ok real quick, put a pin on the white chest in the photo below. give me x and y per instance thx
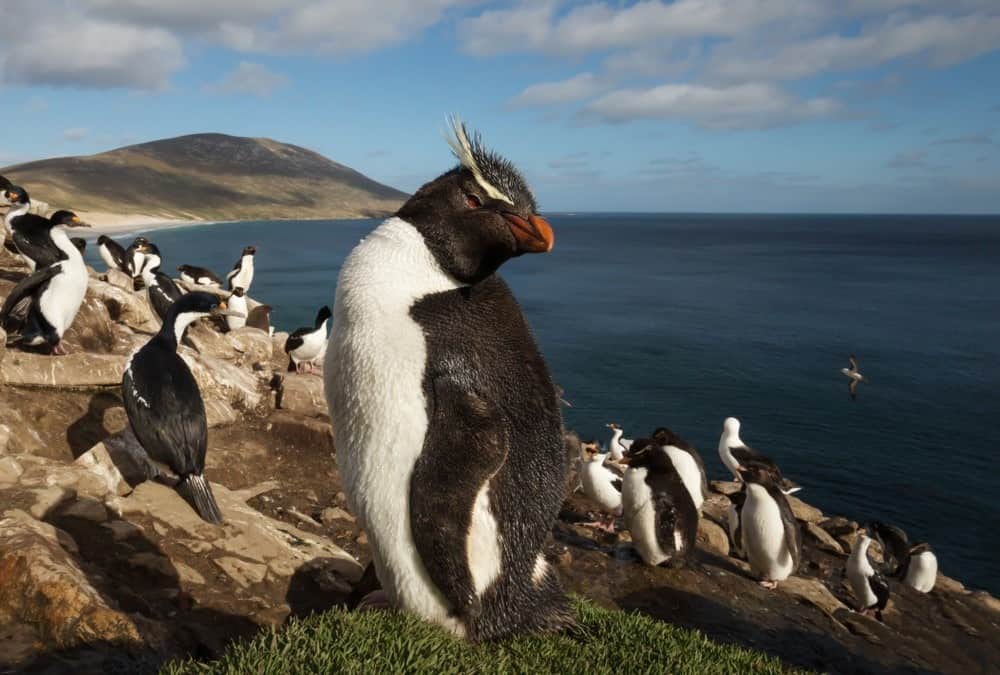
(598, 484)
(312, 347)
(243, 276)
(764, 536)
(239, 304)
(922, 572)
(640, 516)
(61, 301)
(374, 387)
(859, 569)
(106, 257)
(689, 472)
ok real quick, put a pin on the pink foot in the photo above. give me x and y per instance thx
(374, 601)
(60, 349)
(768, 584)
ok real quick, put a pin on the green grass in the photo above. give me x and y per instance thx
(604, 642)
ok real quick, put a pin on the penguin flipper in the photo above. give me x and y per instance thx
(463, 448)
(793, 534)
(880, 587)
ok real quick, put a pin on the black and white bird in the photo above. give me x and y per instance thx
(735, 511)
(31, 234)
(854, 375)
(449, 430)
(306, 346)
(165, 408)
(112, 253)
(42, 306)
(80, 243)
(18, 203)
(199, 276)
(241, 276)
(602, 486)
(770, 535)
(914, 564)
(238, 303)
(659, 511)
(617, 446)
(688, 463)
(871, 590)
(737, 455)
(134, 257)
(160, 288)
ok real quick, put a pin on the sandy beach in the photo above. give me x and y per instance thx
(114, 224)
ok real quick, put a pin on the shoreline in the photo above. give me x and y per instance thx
(113, 224)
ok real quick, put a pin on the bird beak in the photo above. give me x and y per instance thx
(76, 221)
(533, 235)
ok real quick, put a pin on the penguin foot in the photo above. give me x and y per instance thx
(768, 584)
(59, 349)
(376, 600)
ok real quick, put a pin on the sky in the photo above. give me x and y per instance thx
(690, 105)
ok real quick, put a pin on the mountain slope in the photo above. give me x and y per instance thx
(207, 176)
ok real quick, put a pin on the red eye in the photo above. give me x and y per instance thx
(473, 201)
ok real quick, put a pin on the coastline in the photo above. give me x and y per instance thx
(113, 224)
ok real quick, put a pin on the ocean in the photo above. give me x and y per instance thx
(683, 320)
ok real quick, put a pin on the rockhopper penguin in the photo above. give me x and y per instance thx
(160, 288)
(688, 463)
(659, 511)
(198, 275)
(770, 534)
(112, 253)
(448, 428)
(165, 408)
(241, 276)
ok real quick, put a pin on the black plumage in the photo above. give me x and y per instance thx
(80, 243)
(665, 436)
(895, 547)
(134, 256)
(298, 337)
(114, 251)
(165, 408)
(21, 316)
(675, 511)
(198, 275)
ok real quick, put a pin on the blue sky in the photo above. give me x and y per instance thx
(691, 105)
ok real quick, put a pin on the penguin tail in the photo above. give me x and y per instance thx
(196, 490)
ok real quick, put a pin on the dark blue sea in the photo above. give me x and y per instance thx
(683, 320)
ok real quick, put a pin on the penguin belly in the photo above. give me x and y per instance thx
(689, 472)
(238, 304)
(107, 257)
(597, 484)
(858, 571)
(374, 375)
(60, 302)
(312, 347)
(640, 516)
(921, 574)
(244, 277)
(764, 536)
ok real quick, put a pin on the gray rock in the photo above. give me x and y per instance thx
(333, 514)
(10, 470)
(87, 509)
(303, 394)
(73, 371)
(712, 537)
(243, 572)
(823, 538)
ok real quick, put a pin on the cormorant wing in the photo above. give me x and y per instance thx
(166, 410)
(32, 239)
(27, 288)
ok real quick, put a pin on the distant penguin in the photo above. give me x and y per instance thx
(602, 486)
(895, 546)
(871, 590)
(80, 243)
(772, 540)
(659, 511)
(198, 275)
(854, 376)
(617, 446)
(238, 304)
(305, 346)
(735, 511)
(241, 275)
(260, 318)
(436, 388)
(160, 288)
(921, 568)
(164, 404)
(134, 257)
(112, 253)
(736, 455)
(41, 307)
(688, 463)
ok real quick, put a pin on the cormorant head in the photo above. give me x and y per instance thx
(238, 292)
(612, 425)
(478, 215)
(15, 194)
(193, 306)
(67, 219)
(249, 250)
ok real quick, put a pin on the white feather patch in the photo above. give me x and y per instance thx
(483, 543)
(462, 147)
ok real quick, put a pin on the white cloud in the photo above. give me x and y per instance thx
(249, 78)
(743, 106)
(75, 134)
(575, 88)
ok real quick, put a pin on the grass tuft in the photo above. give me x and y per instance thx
(355, 642)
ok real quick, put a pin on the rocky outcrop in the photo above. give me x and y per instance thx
(73, 371)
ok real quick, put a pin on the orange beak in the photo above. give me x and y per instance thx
(533, 235)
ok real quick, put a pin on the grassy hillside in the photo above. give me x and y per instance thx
(604, 642)
(208, 176)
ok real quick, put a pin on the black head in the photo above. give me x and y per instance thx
(238, 292)
(322, 315)
(105, 239)
(760, 475)
(647, 453)
(149, 248)
(249, 250)
(80, 243)
(665, 436)
(478, 215)
(16, 194)
(139, 241)
(4, 183)
(67, 219)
